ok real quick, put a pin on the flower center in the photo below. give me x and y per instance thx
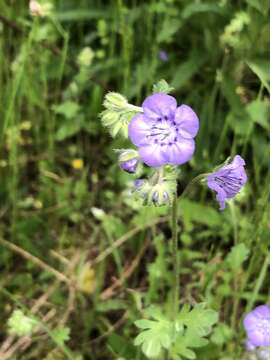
(163, 132)
(229, 184)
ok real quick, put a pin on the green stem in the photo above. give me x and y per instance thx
(176, 283)
(134, 108)
(175, 258)
(192, 182)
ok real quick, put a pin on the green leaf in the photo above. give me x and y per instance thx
(240, 122)
(61, 335)
(222, 334)
(261, 68)
(68, 128)
(168, 29)
(228, 87)
(121, 347)
(259, 112)
(69, 109)
(238, 254)
(156, 335)
(195, 8)
(162, 87)
(198, 319)
(261, 5)
(194, 325)
(188, 68)
(195, 212)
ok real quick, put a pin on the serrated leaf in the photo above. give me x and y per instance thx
(144, 323)
(238, 254)
(162, 87)
(156, 335)
(61, 335)
(180, 350)
(197, 323)
(199, 319)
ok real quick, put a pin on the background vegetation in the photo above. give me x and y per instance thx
(78, 256)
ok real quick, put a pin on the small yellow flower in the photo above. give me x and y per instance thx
(77, 164)
(87, 279)
(26, 125)
(38, 204)
(3, 163)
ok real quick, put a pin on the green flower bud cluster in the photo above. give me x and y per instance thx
(20, 324)
(158, 190)
(118, 114)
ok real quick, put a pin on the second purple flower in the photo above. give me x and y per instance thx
(228, 180)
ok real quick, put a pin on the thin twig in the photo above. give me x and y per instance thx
(109, 292)
(126, 237)
(35, 308)
(61, 277)
(7, 349)
(112, 329)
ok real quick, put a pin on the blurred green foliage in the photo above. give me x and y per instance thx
(64, 201)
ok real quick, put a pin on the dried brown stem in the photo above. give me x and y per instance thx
(109, 292)
(61, 277)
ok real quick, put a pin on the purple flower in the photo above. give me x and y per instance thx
(228, 180)
(163, 55)
(164, 132)
(257, 326)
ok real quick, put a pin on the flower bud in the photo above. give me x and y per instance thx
(118, 113)
(115, 101)
(40, 10)
(116, 122)
(85, 57)
(141, 190)
(138, 183)
(263, 354)
(35, 8)
(161, 194)
(129, 160)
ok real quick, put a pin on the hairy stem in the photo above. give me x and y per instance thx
(175, 258)
(196, 180)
